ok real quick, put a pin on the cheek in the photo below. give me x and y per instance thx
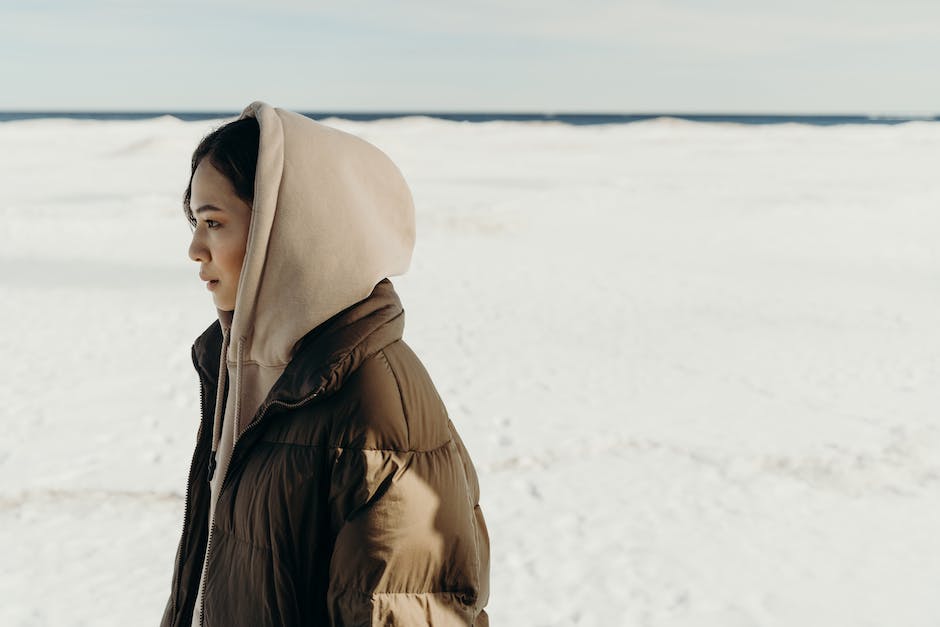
(232, 256)
(231, 261)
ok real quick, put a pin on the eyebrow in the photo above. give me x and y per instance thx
(207, 208)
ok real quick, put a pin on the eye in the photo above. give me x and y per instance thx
(212, 224)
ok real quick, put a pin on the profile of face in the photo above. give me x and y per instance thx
(221, 233)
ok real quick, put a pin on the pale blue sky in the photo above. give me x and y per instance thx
(736, 56)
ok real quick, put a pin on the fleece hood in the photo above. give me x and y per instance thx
(332, 216)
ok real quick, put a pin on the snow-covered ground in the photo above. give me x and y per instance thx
(696, 365)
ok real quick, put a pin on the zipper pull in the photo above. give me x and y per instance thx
(211, 466)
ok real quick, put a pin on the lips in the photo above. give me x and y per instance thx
(211, 283)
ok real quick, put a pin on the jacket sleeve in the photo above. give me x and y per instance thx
(408, 548)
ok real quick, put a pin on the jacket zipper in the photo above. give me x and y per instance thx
(251, 425)
(192, 464)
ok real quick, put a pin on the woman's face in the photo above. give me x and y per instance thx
(221, 235)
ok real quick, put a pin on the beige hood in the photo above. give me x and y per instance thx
(332, 216)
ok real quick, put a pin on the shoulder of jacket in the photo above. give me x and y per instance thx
(393, 404)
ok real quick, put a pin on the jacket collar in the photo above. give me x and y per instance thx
(326, 355)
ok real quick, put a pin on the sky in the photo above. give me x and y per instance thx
(547, 56)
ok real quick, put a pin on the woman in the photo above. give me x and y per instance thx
(328, 486)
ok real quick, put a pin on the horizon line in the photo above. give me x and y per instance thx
(546, 113)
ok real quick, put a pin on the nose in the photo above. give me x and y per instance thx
(197, 248)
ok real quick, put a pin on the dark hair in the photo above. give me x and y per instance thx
(233, 150)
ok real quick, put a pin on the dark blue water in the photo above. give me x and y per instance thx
(578, 119)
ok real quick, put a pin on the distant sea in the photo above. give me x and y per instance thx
(578, 119)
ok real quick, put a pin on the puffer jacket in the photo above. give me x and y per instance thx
(349, 499)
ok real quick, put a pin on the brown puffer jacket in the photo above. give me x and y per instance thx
(349, 499)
